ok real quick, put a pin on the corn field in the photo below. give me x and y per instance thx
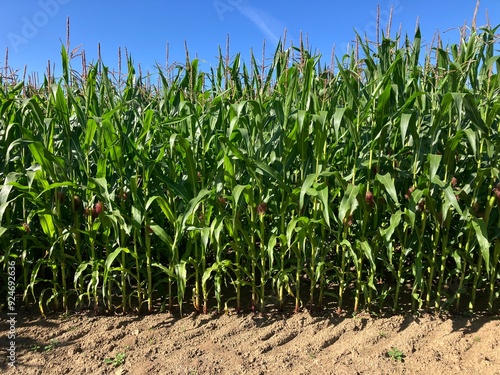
(369, 184)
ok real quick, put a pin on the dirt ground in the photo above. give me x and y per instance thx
(254, 344)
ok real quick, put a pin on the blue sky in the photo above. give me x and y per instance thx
(34, 30)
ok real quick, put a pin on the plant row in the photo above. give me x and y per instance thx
(256, 186)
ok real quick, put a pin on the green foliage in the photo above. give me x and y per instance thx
(396, 354)
(377, 179)
(50, 346)
(116, 361)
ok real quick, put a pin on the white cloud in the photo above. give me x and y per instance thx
(266, 24)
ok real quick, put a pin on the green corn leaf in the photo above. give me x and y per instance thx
(79, 272)
(434, 161)
(471, 136)
(193, 205)
(368, 252)
(452, 199)
(160, 232)
(395, 221)
(472, 112)
(338, 118)
(271, 249)
(57, 185)
(110, 260)
(137, 216)
(168, 271)
(405, 123)
(229, 176)
(269, 172)
(323, 197)
(290, 229)
(205, 236)
(305, 188)
(216, 228)
(103, 188)
(164, 206)
(382, 107)
(46, 159)
(349, 201)
(181, 278)
(90, 131)
(189, 161)
(216, 267)
(237, 191)
(389, 186)
(65, 64)
(481, 231)
(47, 224)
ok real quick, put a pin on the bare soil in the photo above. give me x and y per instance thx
(252, 343)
